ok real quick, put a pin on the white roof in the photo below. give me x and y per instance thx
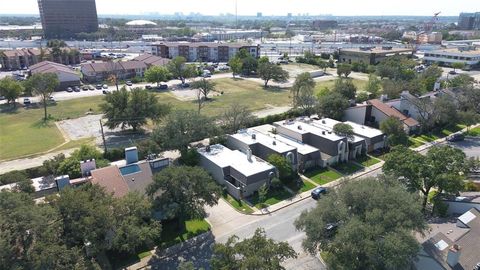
(224, 157)
(140, 22)
(441, 245)
(467, 217)
(245, 136)
(302, 148)
(305, 128)
(43, 183)
(363, 130)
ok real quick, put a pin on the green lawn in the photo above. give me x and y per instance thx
(171, 235)
(323, 175)
(273, 197)
(414, 143)
(473, 132)
(300, 186)
(360, 84)
(347, 168)
(239, 205)
(437, 134)
(367, 161)
(23, 131)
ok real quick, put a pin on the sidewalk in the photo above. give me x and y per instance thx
(305, 195)
(428, 145)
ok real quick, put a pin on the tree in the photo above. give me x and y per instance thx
(157, 74)
(204, 87)
(364, 224)
(268, 71)
(134, 223)
(71, 165)
(443, 168)
(393, 128)
(52, 165)
(10, 89)
(373, 85)
(344, 69)
(461, 81)
(429, 77)
(332, 105)
(257, 252)
(112, 69)
(181, 128)
(123, 108)
(180, 70)
(236, 117)
(458, 65)
(283, 166)
(43, 85)
(182, 192)
(396, 67)
(345, 87)
(235, 65)
(362, 97)
(322, 65)
(344, 130)
(302, 91)
(13, 177)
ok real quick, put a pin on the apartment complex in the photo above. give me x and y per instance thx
(97, 72)
(66, 76)
(469, 21)
(203, 51)
(470, 56)
(66, 18)
(370, 55)
(24, 58)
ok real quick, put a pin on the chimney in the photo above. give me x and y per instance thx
(62, 181)
(453, 255)
(274, 143)
(86, 166)
(249, 154)
(131, 155)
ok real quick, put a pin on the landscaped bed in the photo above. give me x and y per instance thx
(300, 186)
(473, 132)
(238, 204)
(171, 235)
(323, 175)
(272, 198)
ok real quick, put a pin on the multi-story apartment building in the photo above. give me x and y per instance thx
(203, 51)
(24, 58)
(469, 21)
(66, 18)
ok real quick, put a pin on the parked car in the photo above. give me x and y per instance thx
(185, 85)
(77, 89)
(91, 88)
(452, 72)
(98, 86)
(129, 83)
(162, 87)
(51, 99)
(69, 89)
(105, 92)
(26, 101)
(85, 88)
(105, 86)
(456, 137)
(2, 97)
(317, 192)
(148, 87)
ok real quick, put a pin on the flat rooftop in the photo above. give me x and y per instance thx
(377, 50)
(304, 128)
(224, 157)
(246, 137)
(328, 124)
(455, 51)
(302, 148)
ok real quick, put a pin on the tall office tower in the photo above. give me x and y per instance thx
(66, 18)
(469, 21)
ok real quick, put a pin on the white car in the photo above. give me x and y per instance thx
(105, 86)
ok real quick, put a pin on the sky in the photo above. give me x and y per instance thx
(267, 7)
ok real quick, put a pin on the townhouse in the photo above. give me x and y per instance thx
(24, 58)
(97, 72)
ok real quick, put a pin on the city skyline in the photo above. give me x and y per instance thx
(266, 7)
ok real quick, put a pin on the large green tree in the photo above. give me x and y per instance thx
(10, 89)
(179, 68)
(236, 117)
(344, 69)
(344, 130)
(345, 87)
(257, 252)
(393, 128)
(364, 224)
(283, 166)
(157, 74)
(269, 71)
(302, 91)
(442, 168)
(132, 108)
(235, 65)
(43, 85)
(182, 192)
(332, 105)
(373, 85)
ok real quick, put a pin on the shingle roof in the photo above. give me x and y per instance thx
(50, 67)
(391, 111)
(152, 60)
(111, 179)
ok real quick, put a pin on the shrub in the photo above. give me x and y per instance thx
(189, 157)
(276, 184)
(114, 154)
(222, 139)
(13, 177)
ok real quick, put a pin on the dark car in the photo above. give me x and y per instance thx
(162, 87)
(98, 86)
(316, 192)
(185, 85)
(452, 72)
(148, 87)
(76, 89)
(85, 88)
(129, 83)
(91, 88)
(105, 92)
(456, 137)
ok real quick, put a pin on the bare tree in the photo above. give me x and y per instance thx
(237, 116)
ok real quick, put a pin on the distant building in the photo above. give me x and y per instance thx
(152, 60)
(66, 18)
(470, 56)
(66, 76)
(324, 24)
(97, 72)
(469, 21)
(370, 55)
(231, 35)
(259, 14)
(203, 51)
(24, 58)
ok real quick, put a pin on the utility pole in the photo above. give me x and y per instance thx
(103, 137)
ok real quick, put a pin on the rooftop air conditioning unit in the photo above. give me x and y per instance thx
(254, 136)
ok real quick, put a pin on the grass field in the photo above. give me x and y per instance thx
(273, 197)
(23, 132)
(323, 175)
(368, 161)
(239, 205)
(347, 168)
(171, 235)
(300, 186)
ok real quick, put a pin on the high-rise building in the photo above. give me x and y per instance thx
(469, 21)
(66, 18)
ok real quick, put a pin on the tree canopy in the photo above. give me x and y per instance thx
(43, 85)
(345, 87)
(10, 89)
(364, 224)
(344, 130)
(302, 91)
(332, 105)
(157, 74)
(269, 71)
(236, 117)
(393, 128)
(236, 65)
(180, 70)
(344, 69)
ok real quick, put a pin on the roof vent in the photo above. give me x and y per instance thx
(323, 121)
(274, 143)
(254, 136)
(323, 132)
(133, 179)
(299, 127)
